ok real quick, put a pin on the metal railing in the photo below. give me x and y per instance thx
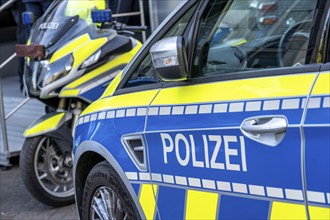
(6, 5)
(4, 118)
(138, 13)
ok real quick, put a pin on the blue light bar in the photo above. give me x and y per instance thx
(101, 16)
(28, 18)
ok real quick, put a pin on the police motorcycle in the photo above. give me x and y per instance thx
(73, 52)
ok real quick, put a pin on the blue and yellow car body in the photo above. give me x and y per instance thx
(196, 161)
(221, 170)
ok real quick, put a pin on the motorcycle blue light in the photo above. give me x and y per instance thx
(28, 18)
(101, 16)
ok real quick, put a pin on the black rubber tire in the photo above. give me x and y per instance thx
(103, 174)
(29, 178)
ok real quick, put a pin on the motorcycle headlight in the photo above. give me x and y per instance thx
(91, 60)
(56, 70)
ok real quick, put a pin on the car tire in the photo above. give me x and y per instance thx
(104, 182)
(42, 182)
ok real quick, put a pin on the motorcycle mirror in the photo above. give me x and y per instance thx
(101, 16)
(32, 51)
(28, 18)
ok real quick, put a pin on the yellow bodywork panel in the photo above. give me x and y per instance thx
(86, 50)
(322, 85)
(319, 213)
(281, 210)
(148, 201)
(112, 86)
(255, 88)
(121, 101)
(70, 47)
(69, 93)
(72, 89)
(201, 205)
(287, 211)
(81, 48)
(45, 125)
(120, 60)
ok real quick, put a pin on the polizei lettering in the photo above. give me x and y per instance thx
(49, 25)
(223, 152)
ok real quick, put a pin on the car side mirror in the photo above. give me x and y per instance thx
(28, 18)
(170, 59)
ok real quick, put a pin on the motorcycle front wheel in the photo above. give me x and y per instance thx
(46, 172)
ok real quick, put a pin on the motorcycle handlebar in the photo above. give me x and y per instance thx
(123, 27)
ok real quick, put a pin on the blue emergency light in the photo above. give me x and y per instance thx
(101, 16)
(28, 18)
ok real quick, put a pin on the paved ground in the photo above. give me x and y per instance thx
(17, 203)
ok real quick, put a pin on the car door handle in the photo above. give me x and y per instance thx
(265, 125)
(268, 130)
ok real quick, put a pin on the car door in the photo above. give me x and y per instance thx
(317, 147)
(227, 142)
(317, 141)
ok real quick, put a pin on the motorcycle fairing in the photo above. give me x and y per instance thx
(90, 83)
(47, 123)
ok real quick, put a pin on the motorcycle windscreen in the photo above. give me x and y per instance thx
(63, 20)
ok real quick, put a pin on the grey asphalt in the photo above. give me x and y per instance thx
(16, 202)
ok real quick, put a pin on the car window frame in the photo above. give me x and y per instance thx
(326, 34)
(160, 32)
(321, 18)
(268, 72)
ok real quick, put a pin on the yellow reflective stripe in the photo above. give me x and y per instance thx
(73, 45)
(108, 66)
(69, 93)
(201, 205)
(287, 211)
(243, 41)
(113, 85)
(121, 101)
(120, 60)
(254, 88)
(319, 213)
(28, 43)
(45, 125)
(322, 85)
(147, 200)
(83, 52)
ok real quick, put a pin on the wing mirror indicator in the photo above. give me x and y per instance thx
(169, 59)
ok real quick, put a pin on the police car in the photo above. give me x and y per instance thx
(223, 114)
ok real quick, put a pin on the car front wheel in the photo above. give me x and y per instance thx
(105, 195)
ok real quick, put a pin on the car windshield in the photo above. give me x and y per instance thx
(60, 17)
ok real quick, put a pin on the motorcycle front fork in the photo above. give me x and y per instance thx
(75, 107)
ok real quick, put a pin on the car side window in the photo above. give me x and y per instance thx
(244, 35)
(145, 74)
